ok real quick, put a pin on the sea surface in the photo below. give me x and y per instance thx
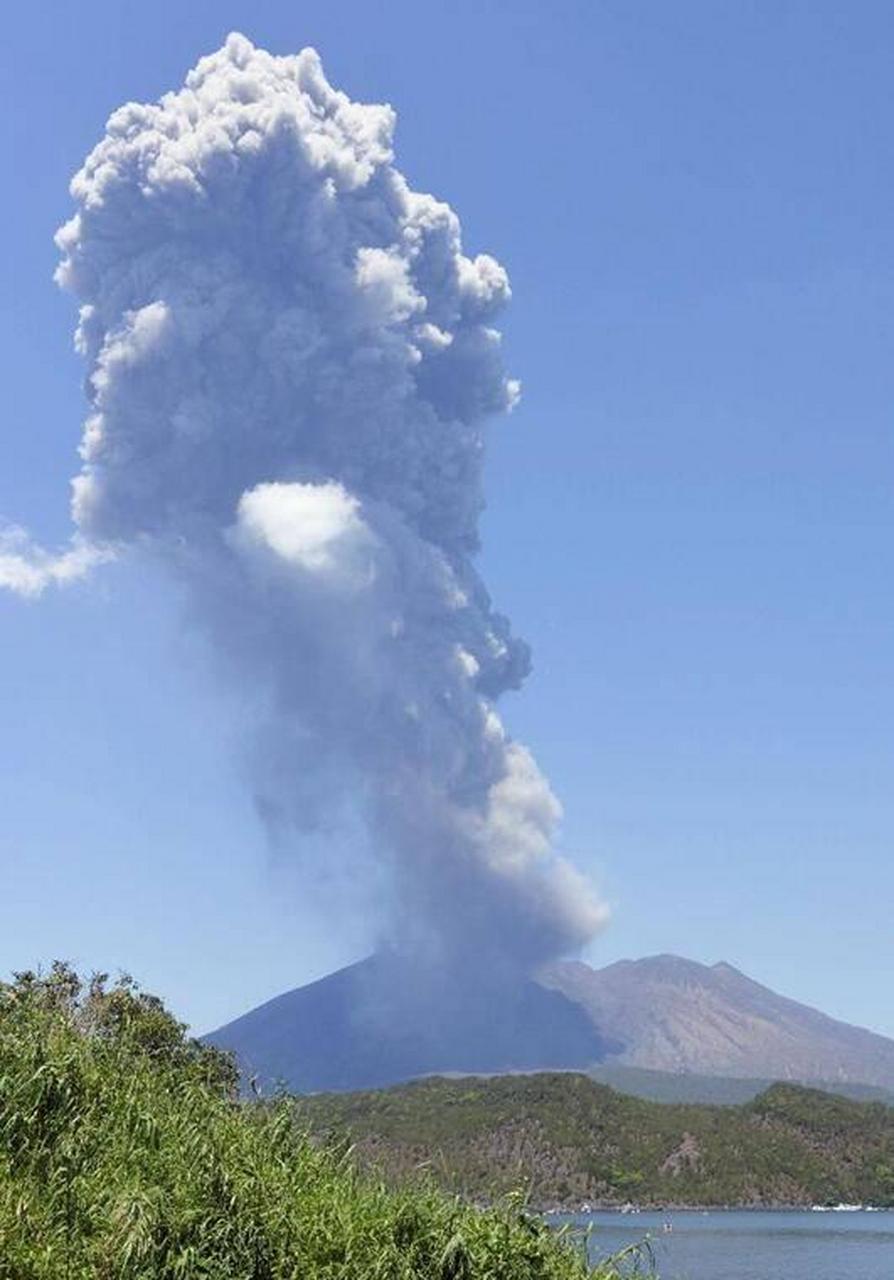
(750, 1245)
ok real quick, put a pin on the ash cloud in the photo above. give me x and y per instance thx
(291, 364)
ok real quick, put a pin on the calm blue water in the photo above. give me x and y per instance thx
(753, 1246)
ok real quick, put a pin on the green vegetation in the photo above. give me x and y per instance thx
(571, 1141)
(124, 1155)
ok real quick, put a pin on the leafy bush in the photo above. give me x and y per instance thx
(125, 1155)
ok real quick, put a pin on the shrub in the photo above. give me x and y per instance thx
(126, 1155)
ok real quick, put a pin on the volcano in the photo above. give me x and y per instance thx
(379, 1021)
(386, 1019)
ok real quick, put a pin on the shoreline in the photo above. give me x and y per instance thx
(625, 1210)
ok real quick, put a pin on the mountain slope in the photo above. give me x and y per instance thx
(719, 1091)
(378, 1022)
(675, 1015)
(569, 1140)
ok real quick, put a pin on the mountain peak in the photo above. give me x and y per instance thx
(382, 1021)
(373, 1024)
(673, 1014)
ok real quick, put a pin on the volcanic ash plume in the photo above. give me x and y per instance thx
(290, 362)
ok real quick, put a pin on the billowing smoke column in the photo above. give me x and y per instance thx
(290, 361)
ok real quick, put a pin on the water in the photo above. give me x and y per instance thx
(737, 1245)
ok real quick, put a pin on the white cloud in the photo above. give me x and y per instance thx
(314, 528)
(28, 570)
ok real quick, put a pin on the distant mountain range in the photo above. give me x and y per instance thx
(719, 1091)
(653, 1027)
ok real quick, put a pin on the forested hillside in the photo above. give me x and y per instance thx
(571, 1141)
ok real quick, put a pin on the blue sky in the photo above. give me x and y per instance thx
(689, 516)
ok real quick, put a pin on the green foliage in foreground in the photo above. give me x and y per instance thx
(570, 1141)
(124, 1155)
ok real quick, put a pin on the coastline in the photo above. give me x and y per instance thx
(669, 1206)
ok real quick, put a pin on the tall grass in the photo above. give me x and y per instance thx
(124, 1155)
